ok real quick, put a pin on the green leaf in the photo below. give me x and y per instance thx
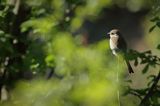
(151, 77)
(136, 62)
(141, 91)
(158, 24)
(154, 19)
(34, 66)
(143, 61)
(50, 60)
(158, 47)
(1, 32)
(152, 28)
(145, 69)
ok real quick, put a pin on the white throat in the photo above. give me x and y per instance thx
(113, 42)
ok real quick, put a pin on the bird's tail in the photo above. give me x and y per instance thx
(129, 67)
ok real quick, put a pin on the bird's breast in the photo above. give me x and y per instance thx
(113, 43)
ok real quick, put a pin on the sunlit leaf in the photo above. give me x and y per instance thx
(50, 61)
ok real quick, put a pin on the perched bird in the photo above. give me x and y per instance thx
(119, 45)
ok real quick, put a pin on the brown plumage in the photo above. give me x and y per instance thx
(118, 44)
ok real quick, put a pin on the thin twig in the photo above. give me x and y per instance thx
(134, 93)
(150, 92)
(118, 92)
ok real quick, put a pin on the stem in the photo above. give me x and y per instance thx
(118, 94)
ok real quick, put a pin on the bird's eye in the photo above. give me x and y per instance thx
(112, 33)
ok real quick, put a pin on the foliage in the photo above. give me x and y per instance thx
(148, 96)
(84, 81)
(43, 40)
(39, 38)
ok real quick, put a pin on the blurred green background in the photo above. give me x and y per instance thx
(56, 52)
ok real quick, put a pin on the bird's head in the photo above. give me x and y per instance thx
(114, 33)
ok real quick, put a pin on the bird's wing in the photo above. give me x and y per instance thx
(122, 45)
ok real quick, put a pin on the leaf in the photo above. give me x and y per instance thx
(145, 69)
(152, 28)
(158, 24)
(131, 55)
(158, 47)
(136, 62)
(141, 55)
(143, 61)
(50, 60)
(1, 32)
(141, 91)
(151, 77)
(154, 19)
(148, 52)
(34, 66)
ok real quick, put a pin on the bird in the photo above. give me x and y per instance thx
(119, 45)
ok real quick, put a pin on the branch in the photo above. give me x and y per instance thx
(150, 92)
(135, 94)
